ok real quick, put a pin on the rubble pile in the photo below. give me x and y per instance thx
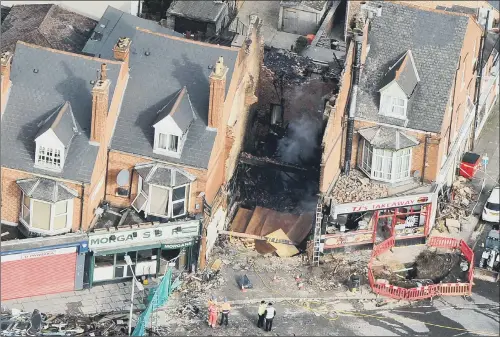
(462, 200)
(294, 68)
(357, 187)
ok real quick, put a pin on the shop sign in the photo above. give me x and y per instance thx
(177, 245)
(339, 240)
(38, 254)
(144, 235)
(373, 205)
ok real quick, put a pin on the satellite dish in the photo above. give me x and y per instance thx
(123, 178)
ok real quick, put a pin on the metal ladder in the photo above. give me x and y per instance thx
(317, 233)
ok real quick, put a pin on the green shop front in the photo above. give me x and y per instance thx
(152, 248)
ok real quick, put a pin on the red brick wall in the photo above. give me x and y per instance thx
(38, 276)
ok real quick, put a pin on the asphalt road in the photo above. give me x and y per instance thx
(446, 316)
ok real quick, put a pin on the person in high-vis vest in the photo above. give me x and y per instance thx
(270, 313)
(226, 307)
(261, 312)
(213, 313)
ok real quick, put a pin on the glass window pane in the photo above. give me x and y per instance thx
(178, 208)
(41, 215)
(179, 193)
(26, 202)
(104, 261)
(146, 255)
(173, 144)
(61, 207)
(162, 141)
(60, 221)
(159, 200)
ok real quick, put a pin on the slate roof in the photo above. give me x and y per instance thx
(388, 138)
(46, 189)
(435, 39)
(62, 122)
(47, 26)
(171, 64)
(164, 175)
(179, 109)
(205, 11)
(459, 9)
(115, 24)
(316, 5)
(34, 96)
(404, 73)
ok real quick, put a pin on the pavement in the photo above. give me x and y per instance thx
(268, 12)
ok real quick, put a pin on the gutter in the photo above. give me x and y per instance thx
(358, 39)
(81, 208)
(477, 92)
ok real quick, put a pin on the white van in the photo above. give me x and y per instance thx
(491, 211)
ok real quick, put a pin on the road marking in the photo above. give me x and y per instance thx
(460, 334)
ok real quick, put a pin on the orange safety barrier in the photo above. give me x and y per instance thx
(441, 242)
(446, 289)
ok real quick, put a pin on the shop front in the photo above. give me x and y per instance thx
(150, 248)
(42, 266)
(369, 222)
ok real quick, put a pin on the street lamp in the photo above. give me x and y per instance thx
(128, 260)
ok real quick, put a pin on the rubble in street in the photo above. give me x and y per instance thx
(357, 187)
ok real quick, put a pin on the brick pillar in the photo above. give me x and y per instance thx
(5, 85)
(217, 93)
(100, 107)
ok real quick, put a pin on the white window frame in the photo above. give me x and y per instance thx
(45, 164)
(165, 151)
(51, 230)
(146, 207)
(389, 102)
(368, 165)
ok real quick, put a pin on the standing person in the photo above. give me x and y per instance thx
(226, 307)
(261, 312)
(270, 313)
(213, 312)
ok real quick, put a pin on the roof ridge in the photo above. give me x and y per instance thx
(97, 59)
(429, 9)
(205, 44)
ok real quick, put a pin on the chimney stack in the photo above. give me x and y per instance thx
(5, 84)
(100, 107)
(121, 49)
(217, 93)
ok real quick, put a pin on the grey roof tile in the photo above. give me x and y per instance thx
(62, 122)
(46, 189)
(180, 110)
(206, 11)
(155, 80)
(435, 40)
(387, 138)
(405, 74)
(34, 96)
(46, 25)
(115, 24)
(163, 175)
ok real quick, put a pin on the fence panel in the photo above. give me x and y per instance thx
(442, 242)
(383, 247)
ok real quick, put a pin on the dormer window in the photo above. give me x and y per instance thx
(168, 142)
(398, 87)
(172, 125)
(54, 138)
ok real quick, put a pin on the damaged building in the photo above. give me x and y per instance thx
(395, 135)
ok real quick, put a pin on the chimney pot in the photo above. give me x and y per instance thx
(122, 48)
(104, 74)
(6, 58)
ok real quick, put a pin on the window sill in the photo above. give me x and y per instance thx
(43, 232)
(389, 182)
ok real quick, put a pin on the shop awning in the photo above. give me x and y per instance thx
(382, 137)
(118, 250)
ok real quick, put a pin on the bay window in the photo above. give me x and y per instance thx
(43, 216)
(162, 201)
(385, 165)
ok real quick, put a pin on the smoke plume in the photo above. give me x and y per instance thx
(300, 143)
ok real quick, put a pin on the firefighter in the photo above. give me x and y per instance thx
(261, 312)
(213, 312)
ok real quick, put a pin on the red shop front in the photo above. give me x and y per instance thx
(403, 218)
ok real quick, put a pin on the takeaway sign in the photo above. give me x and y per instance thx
(373, 205)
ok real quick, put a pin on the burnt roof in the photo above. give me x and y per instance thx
(47, 26)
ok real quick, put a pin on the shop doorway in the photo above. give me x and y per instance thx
(169, 258)
(406, 222)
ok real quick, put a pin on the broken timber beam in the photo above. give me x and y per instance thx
(270, 163)
(257, 237)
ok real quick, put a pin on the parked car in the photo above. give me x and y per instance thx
(491, 211)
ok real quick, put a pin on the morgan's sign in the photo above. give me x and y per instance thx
(373, 205)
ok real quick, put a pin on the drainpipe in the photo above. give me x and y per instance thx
(81, 208)
(358, 39)
(426, 143)
(477, 92)
(453, 107)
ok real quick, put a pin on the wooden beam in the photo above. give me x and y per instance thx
(257, 237)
